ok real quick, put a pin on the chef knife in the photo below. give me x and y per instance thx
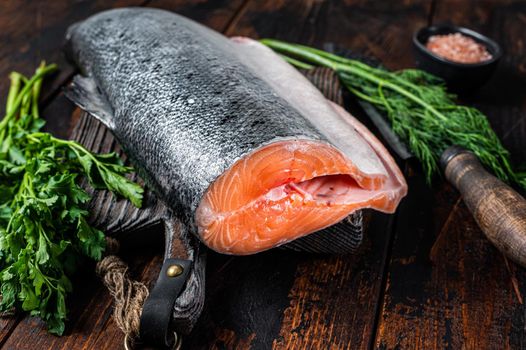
(498, 209)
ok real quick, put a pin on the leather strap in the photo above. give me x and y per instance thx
(158, 308)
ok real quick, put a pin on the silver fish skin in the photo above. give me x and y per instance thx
(181, 103)
(179, 99)
(191, 108)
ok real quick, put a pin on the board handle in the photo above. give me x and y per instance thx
(498, 209)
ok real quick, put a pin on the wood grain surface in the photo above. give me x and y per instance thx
(448, 287)
(425, 278)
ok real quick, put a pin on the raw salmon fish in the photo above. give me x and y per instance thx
(243, 148)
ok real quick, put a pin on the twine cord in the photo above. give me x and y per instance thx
(128, 295)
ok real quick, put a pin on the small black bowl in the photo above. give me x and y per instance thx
(459, 77)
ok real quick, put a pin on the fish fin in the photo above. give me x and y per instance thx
(84, 92)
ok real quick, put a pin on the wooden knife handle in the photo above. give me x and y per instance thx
(498, 209)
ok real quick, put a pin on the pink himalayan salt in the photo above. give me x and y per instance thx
(458, 48)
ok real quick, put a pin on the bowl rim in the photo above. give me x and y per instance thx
(480, 38)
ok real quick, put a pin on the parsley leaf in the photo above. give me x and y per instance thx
(44, 232)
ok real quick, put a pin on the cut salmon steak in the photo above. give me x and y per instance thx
(291, 188)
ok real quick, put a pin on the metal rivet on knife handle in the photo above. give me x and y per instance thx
(174, 270)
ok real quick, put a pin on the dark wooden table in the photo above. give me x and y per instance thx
(426, 278)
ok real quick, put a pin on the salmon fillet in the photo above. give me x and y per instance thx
(243, 149)
(291, 188)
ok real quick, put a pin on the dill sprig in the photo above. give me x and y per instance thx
(419, 108)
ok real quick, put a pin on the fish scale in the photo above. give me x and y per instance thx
(241, 146)
(150, 83)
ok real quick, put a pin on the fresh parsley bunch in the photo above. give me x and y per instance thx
(44, 233)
